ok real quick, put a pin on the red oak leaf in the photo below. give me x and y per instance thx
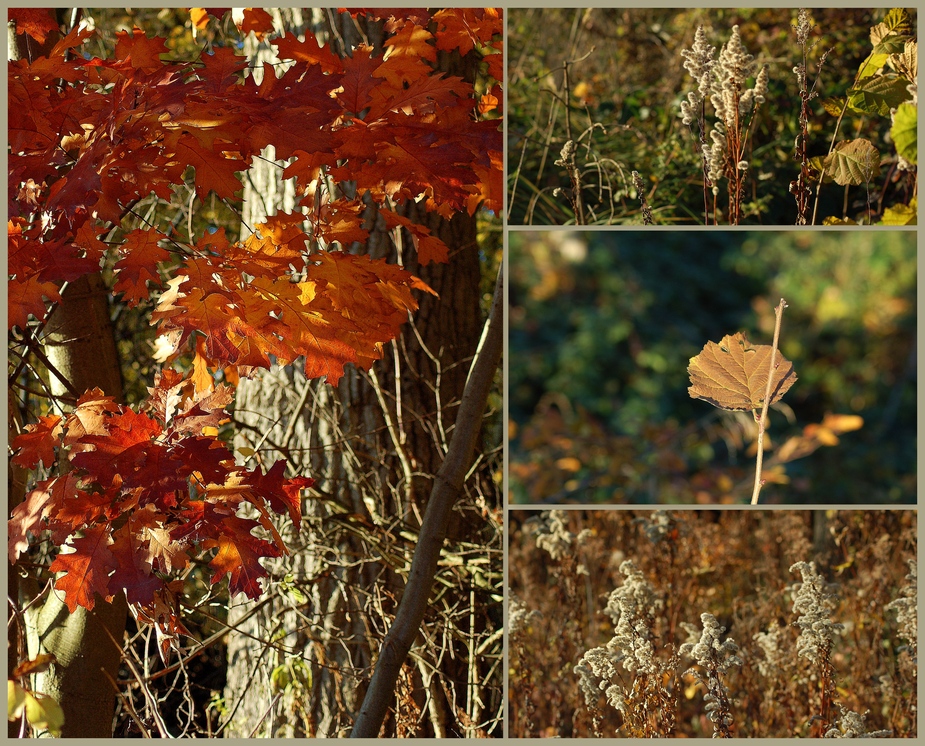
(281, 493)
(38, 442)
(358, 80)
(134, 574)
(26, 297)
(429, 248)
(165, 553)
(214, 172)
(36, 22)
(90, 417)
(256, 20)
(463, 28)
(238, 557)
(27, 517)
(121, 451)
(290, 48)
(86, 569)
(221, 68)
(200, 17)
(412, 41)
(138, 265)
(141, 51)
(73, 512)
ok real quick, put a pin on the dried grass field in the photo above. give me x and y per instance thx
(735, 623)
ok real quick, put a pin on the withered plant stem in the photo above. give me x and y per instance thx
(762, 420)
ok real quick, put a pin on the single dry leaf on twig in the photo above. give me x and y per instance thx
(734, 374)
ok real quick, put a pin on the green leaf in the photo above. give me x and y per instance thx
(905, 131)
(280, 678)
(871, 65)
(817, 163)
(894, 44)
(879, 94)
(838, 221)
(853, 162)
(44, 713)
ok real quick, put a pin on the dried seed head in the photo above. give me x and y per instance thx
(814, 600)
(803, 26)
(761, 85)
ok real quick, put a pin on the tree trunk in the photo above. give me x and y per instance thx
(86, 644)
(374, 445)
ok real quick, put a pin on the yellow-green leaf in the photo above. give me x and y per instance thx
(44, 713)
(879, 94)
(897, 21)
(893, 44)
(833, 106)
(871, 65)
(905, 131)
(900, 215)
(15, 699)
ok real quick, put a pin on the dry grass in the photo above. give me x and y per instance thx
(642, 589)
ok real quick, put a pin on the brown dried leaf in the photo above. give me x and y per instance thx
(734, 374)
(40, 663)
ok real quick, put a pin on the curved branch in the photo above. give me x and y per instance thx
(447, 487)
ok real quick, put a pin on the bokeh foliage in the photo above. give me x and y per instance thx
(603, 325)
(622, 97)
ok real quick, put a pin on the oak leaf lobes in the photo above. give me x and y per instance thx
(734, 374)
(145, 492)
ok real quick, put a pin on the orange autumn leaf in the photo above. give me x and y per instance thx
(86, 569)
(38, 442)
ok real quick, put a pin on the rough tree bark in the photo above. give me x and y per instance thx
(79, 343)
(374, 445)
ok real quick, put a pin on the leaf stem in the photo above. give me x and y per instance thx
(762, 420)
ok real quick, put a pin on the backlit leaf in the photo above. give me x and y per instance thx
(905, 131)
(38, 442)
(734, 374)
(40, 663)
(853, 162)
(879, 94)
(15, 699)
(86, 569)
(901, 214)
(44, 713)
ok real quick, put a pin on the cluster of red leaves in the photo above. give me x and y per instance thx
(142, 492)
(89, 137)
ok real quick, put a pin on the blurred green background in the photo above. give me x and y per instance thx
(622, 101)
(602, 327)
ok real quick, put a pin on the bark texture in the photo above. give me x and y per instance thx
(374, 445)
